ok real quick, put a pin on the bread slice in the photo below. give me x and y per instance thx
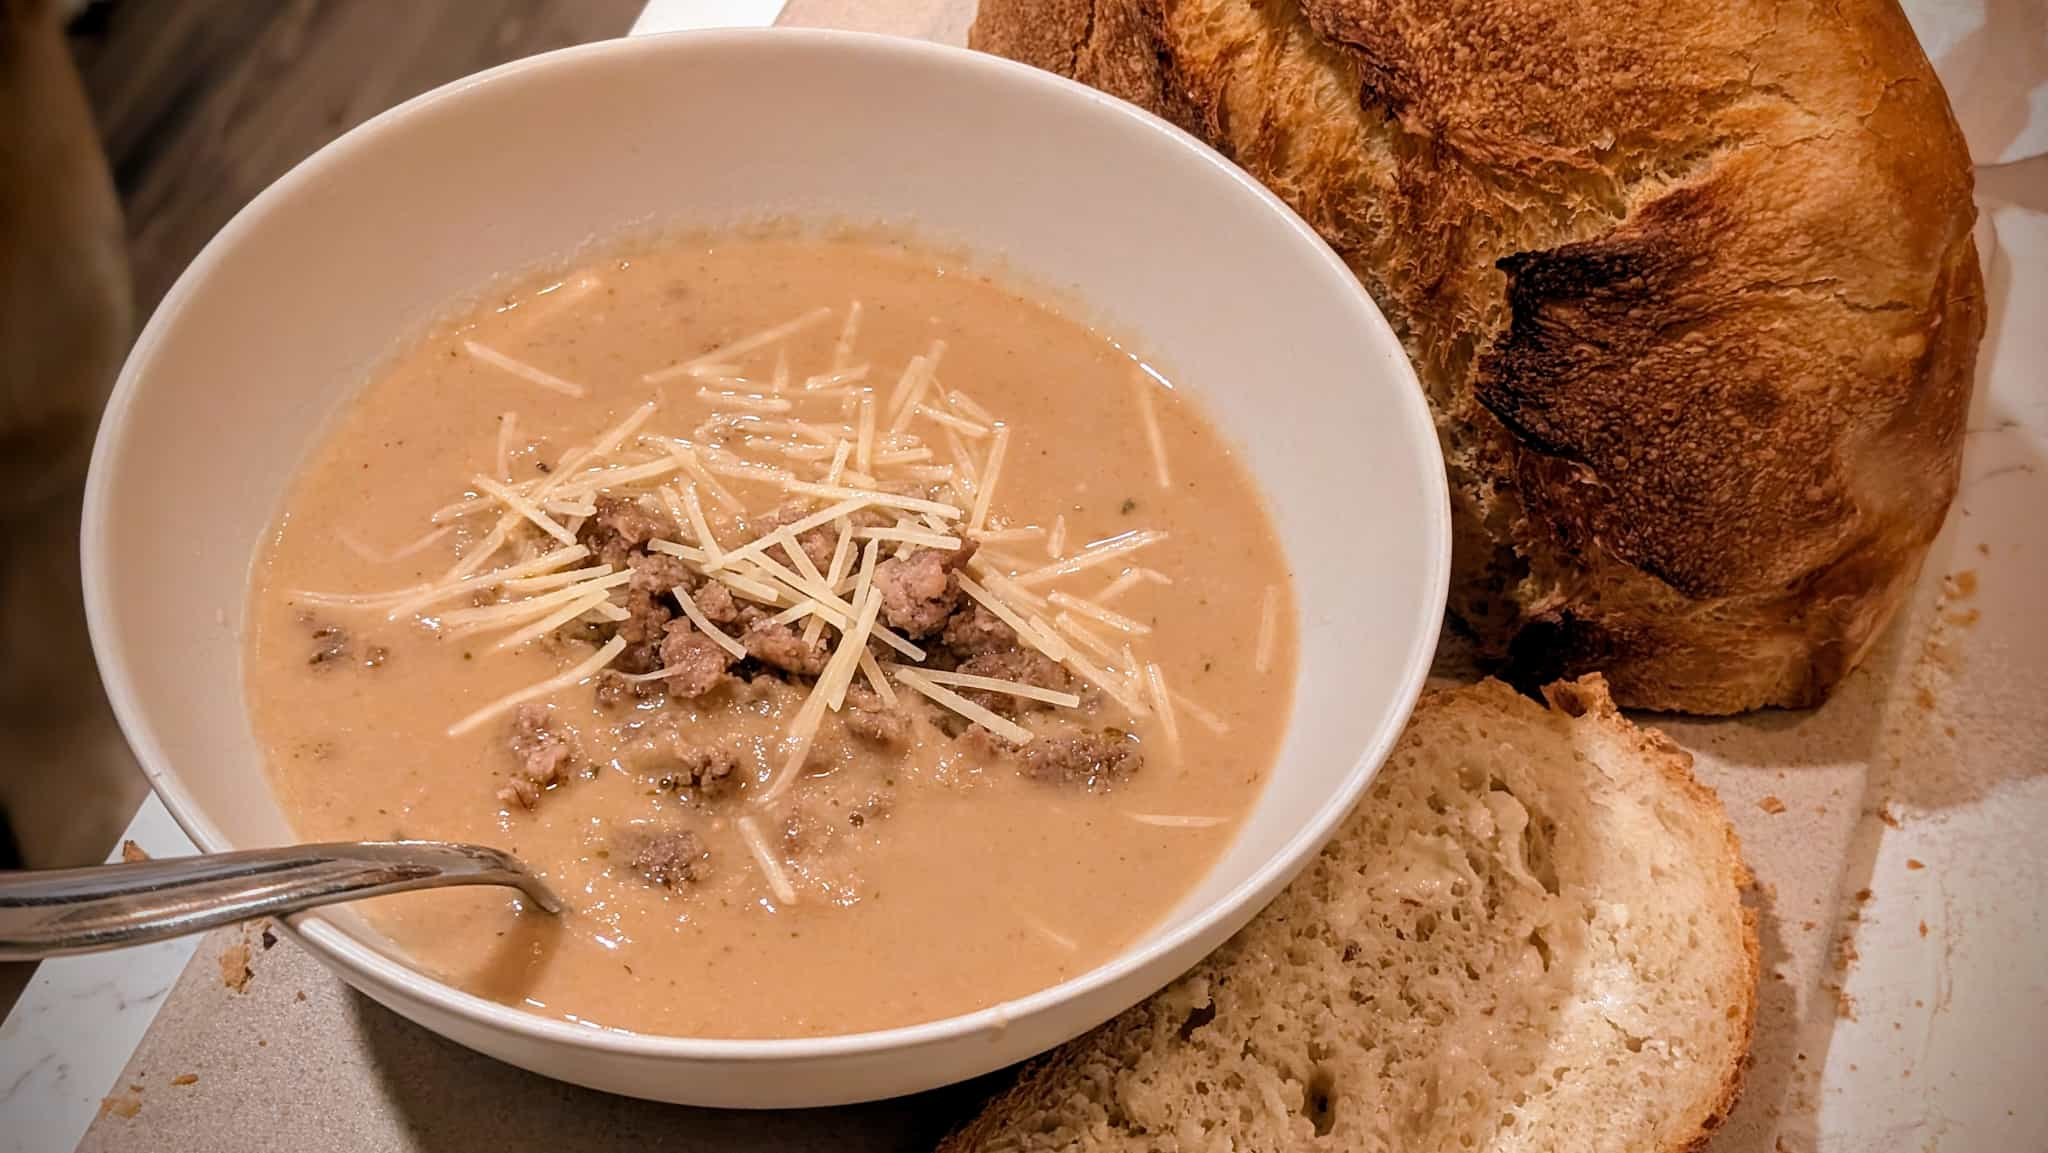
(1529, 936)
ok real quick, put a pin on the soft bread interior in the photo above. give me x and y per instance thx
(1528, 937)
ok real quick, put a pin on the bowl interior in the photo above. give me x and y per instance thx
(299, 299)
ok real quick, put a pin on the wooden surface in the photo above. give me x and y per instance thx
(202, 103)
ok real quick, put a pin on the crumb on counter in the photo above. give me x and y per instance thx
(1771, 804)
(234, 967)
(132, 852)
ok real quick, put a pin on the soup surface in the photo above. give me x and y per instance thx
(850, 640)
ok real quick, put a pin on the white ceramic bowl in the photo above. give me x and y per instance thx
(289, 308)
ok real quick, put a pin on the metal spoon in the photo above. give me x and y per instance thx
(54, 912)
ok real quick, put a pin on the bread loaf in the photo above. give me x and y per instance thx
(1528, 937)
(1690, 285)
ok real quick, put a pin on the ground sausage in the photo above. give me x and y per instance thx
(695, 662)
(666, 857)
(920, 591)
(658, 572)
(869, 719)
(973, 629)
(782, 647)
(615, 689)
(706, 768)
(716, 602)
(1092, 758)
(540, 753)
(620, 527)
(645, 626)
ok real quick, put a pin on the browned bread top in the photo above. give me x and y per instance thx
(1690, 284)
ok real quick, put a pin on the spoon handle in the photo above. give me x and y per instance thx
(54, 912)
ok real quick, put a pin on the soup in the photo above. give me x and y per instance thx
(850, 640)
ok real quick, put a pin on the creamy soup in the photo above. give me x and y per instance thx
(851, 640)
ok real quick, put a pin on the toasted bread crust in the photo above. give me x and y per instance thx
(1691, 285)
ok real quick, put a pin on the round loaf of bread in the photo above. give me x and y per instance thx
(1691, 286)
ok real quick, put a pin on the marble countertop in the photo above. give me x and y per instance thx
(1893, 831)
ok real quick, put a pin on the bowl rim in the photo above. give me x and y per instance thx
(389, 973)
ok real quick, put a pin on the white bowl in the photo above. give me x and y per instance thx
(289, 308)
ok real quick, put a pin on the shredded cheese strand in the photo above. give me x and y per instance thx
(1269, 628)
(998, 685)
(1101, 552)
(1088, 608)
(771, 869)
(718, 636)
(550, 622)
(1162, 703)
(523, 507)
(991, 473)
(1003, 727)
(513, 700)
(740, 347)
(521, 369)
(1153, 437)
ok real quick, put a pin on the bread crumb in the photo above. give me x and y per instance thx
(1923, 928)
(1808, 926)
(185, 1079)
(1962, 585)
(234, 967)
(132, 852)
(1862, 895)
(299, 996)
(1914, 863)
(1885, 814)
(120, 1105)
(1771, 804)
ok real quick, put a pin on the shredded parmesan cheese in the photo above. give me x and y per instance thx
(733, 350)
(1124, 582)
(508, 426)
(690, 463)
(864, 457)
(745, 401)
(842, 349)
(1269, 628)
(1001, 726)
(836, 378)
(509, 613)
(1101, 552)
(1162, 703)
(990, 475)
(1152, 434)
(705, 626)
(910, 536)
(1204, 717)
(966, 428)
(521, 369)
(967, 408)
(555, 580)
(700, 526)
(998, 685)
(523, 507)
(1088, 608)
(551, 622)
(838, 468)
(1006, 614)
(1056, 540)
(513, 700)
(888, 499)
(771, 869)
(1177, 821)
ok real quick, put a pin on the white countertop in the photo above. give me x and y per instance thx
(1973, 1039)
